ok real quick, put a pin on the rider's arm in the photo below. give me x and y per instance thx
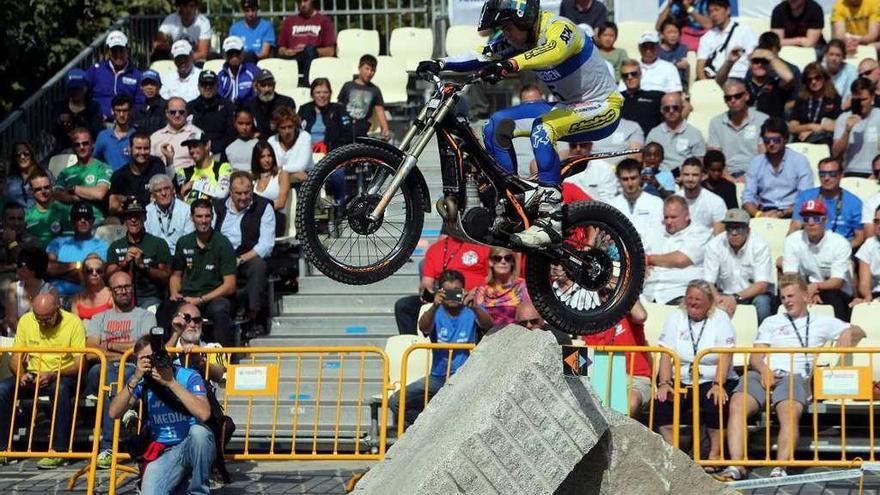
(564, 40)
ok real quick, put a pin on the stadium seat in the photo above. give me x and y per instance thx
(773, 231)
(290, 212)
(215, 65)
(740, 187)
(391, 78)
(692, 68)
(798, 55)
(463, 39)
(163, 67)
(411, 45)
(300, 96)
(59, 162)
(863, 188)
(351, 44)
(866, 315)
(862, 52)
(745, 323)
(395, 346)
(865, 359)
(111, 233)
(707, 97)
(700, 119)
(757, 26)
(628, 33)
(338, 71)
(286, 73)
(657, 314)
(814, 153)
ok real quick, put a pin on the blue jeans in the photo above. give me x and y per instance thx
(193, 457)
(146, 302)
(63, 410)
(764, 306)
(92, 389)
(415, 398)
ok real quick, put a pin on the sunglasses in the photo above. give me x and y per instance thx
(670, 108)
(41, 189)
(176, 112)
(877, 221)
(760, 61)
(82, 144)
(630, 75)
(188, 318)
(23, 153)
(83, 218)
(772, 140)
(814, 78)
(527, 323)
(122, 288)
(716, 169)
(736, 229)
(867, 72)
(94, 271)
(46, 320)
(814, 218)
(829, 173)
(498, 258)
(734, 96)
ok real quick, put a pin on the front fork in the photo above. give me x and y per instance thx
(411, 154)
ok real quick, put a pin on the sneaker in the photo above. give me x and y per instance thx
(547, 228)
(50, 462)
(730, 473)
(778, 472)
(105, 458)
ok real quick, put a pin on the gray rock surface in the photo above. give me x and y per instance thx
(510, 422)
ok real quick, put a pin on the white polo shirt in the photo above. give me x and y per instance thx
(598, 181)
(706, 209)
(666, 284)
(777, 331)
(199, 30)
(646, 214)
(733, 271)
(817, 262)
(659, 76)
(870, 254)
(627, 132)
(186, 88)
(742, 37)
(714, 331)
(298, 158)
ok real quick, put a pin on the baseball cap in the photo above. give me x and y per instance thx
(181, 48)
(151, 75)
(196, 138)
(233, 43)
(76, 79)
(132, 205)
(82, 209)
(649, 37)
(264, 75)
(117, 38)
(814, 207)
(208, 77)
(736, 215)
(252, 4)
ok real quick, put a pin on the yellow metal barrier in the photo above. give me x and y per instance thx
(814, 407)
(289, 391)
(51, 390)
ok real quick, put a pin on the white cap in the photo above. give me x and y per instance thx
(649, 37)
(117, 38)
(233, 43)
(180, 48)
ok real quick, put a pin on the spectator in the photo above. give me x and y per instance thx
(590, 12)
(799, 23)
(739, 265)
(114, 332)
(639, 105)
(847, 207)
(189, 447)
(306, 36)
(363, 99)
(657, 182)
(258, 34)
(816, 108)
(679, 139)
(204, 273)
(673, 51)
(183, 82)
(855, 133)
(238, 153)
(787, 376)
(48, 218)
(870, 70)
(769, 80)
(684, 333)
(529, 318)
(212, 113)
(13, 237)
(144, 257)
(597, 180)
(206, 178)
(706, 208)
(168, 217)
(643, 210)
(88, 179)
(727, 39)
(292, 145)
(449, 320)
(657, 74)
(868, 257)
(167, 142)
(116, 76)
(627, 135)
(186, 333)
(66, 253)
(31, 281)
(237, 77)
(46, 326)
(715, 181)
(94, 297)
(504, 291)
(150, 116)
(272, 182)
(842, 73)
(133, 179)
(691, 15)
(327, 122)
(248, 221)
(22, 164)
(447, 253)
(776, 177)
(630, 331)
(187, 24)
(736, 130)
(856, 22)
(75, 111)
(266, 102)
(606, 36)
(675, 256)
(112, 145)
(821, 258)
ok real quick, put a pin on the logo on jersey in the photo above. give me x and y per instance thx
(539, 136)
(540, 50)
(566, 35)
(469, 258)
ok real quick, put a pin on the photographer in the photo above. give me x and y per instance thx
(181, 446)
(186, 333)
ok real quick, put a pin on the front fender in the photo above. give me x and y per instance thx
(415, 177)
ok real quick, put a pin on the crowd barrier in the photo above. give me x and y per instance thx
(841, 389)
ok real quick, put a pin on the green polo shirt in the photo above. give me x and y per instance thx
(49, 224)
(203, 268)
(90, 175)
(155, 253)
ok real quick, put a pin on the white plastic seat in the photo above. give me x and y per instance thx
(757, 26)
(163, 67)
(352, 43)
(863, 52)
(338, 71)
(701, 119)
(773, 231)
(463, 39)
(285, 72)
(798, 55)
(861, 187)
(692, 68)
(745, 324)
(657, 315)
(391, 78)
(290, 212)
(706, 96)
(865, 315)
(300, 95)
(411, 45)
(416, 364)
(814, 153)
(628, 33)
(215, 65)
(59, 162)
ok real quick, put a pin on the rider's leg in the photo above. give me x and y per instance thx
(521, 115)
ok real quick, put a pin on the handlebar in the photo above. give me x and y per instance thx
(438, 83)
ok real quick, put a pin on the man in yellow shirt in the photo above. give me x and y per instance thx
(46, 326)
(856, 22)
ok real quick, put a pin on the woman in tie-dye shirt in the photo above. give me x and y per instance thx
(504, 290)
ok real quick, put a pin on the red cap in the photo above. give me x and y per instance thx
(814, 207)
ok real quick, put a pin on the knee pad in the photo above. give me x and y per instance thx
(503, 134)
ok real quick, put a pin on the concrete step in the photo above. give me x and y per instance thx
(333, 325)
(322, 341)
(395, 284)
(307, 366)
(365, 304)
(385, 330)
(348, 418)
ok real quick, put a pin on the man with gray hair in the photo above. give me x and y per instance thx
(737, 131)
(167, 216)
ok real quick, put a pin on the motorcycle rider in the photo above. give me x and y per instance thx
(564, 57)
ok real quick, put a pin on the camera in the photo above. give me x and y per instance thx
(455, 295)
(160, 357)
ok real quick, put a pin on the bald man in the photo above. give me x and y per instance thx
(527, 316)
(47, 325)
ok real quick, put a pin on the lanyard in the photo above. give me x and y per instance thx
(815, 111)
(838, 207)
(695, 344)
(451, 256)
(804, 342)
